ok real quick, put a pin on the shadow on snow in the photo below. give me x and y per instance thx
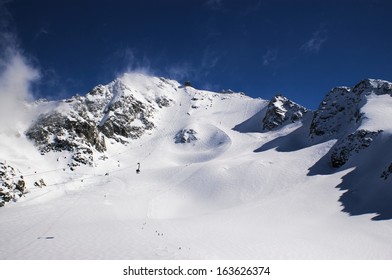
(365, 191)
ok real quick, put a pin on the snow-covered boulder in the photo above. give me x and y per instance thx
(282, 111)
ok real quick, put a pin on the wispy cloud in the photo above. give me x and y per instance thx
(195, 72)
(42, 32)
(313, 45)
(180, 71)
(210, 59)
(252, 8)
(127, 60)
(16, 76)
(270, 57)
(214, 4)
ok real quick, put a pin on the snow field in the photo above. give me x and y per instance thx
(211, 199)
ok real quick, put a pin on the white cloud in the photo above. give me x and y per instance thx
(16, 77)
(180, 71)
(126, 60)
(270, 57)
(314, 44)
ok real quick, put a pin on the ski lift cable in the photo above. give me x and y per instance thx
(163, 134)
(36, 173)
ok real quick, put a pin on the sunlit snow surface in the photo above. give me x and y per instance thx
(213, 198)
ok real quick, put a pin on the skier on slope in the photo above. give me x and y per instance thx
(138, 168)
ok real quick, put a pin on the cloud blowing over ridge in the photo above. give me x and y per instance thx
(16, 77)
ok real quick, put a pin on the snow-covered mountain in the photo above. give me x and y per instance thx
(223, 175)
(115, 111)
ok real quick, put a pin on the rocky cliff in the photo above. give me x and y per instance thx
(116, 111)
(282, 111)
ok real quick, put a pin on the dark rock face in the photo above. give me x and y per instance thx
(387, 172)
(282, 111)
(12, 184)
(340, 115)
(57, 132)
(353, 143)
(67, 133)
(81, 124)
(118, 118)
(378, 87)
(186, 136)
(338, 110)
(163, 101)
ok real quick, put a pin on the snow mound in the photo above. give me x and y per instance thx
(209, 143)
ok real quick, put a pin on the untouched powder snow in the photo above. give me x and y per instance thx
(210, 198)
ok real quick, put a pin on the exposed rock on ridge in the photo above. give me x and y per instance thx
(12, 185)
(81, 123)
(353, 143)
(282, 111)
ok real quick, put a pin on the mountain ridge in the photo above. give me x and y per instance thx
(124, 110)
(204, 158)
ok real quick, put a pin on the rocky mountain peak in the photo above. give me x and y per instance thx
(282, 111)
(122, 110)
(340, 117)
(376, 86)
(340, 111)
(339, 108)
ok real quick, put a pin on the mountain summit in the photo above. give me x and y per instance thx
(282, 111)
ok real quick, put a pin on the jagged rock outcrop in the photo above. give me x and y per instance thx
(353, 143)
(387, 172)
(340, 116)
(373, 86)
(116, 111)
(338, 111)
(282, 111)
(186, 135)
(68, 132)
(12, 184)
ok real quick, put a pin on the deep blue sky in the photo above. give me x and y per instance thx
(298, 48)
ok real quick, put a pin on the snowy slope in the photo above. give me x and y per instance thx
(233, 191)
